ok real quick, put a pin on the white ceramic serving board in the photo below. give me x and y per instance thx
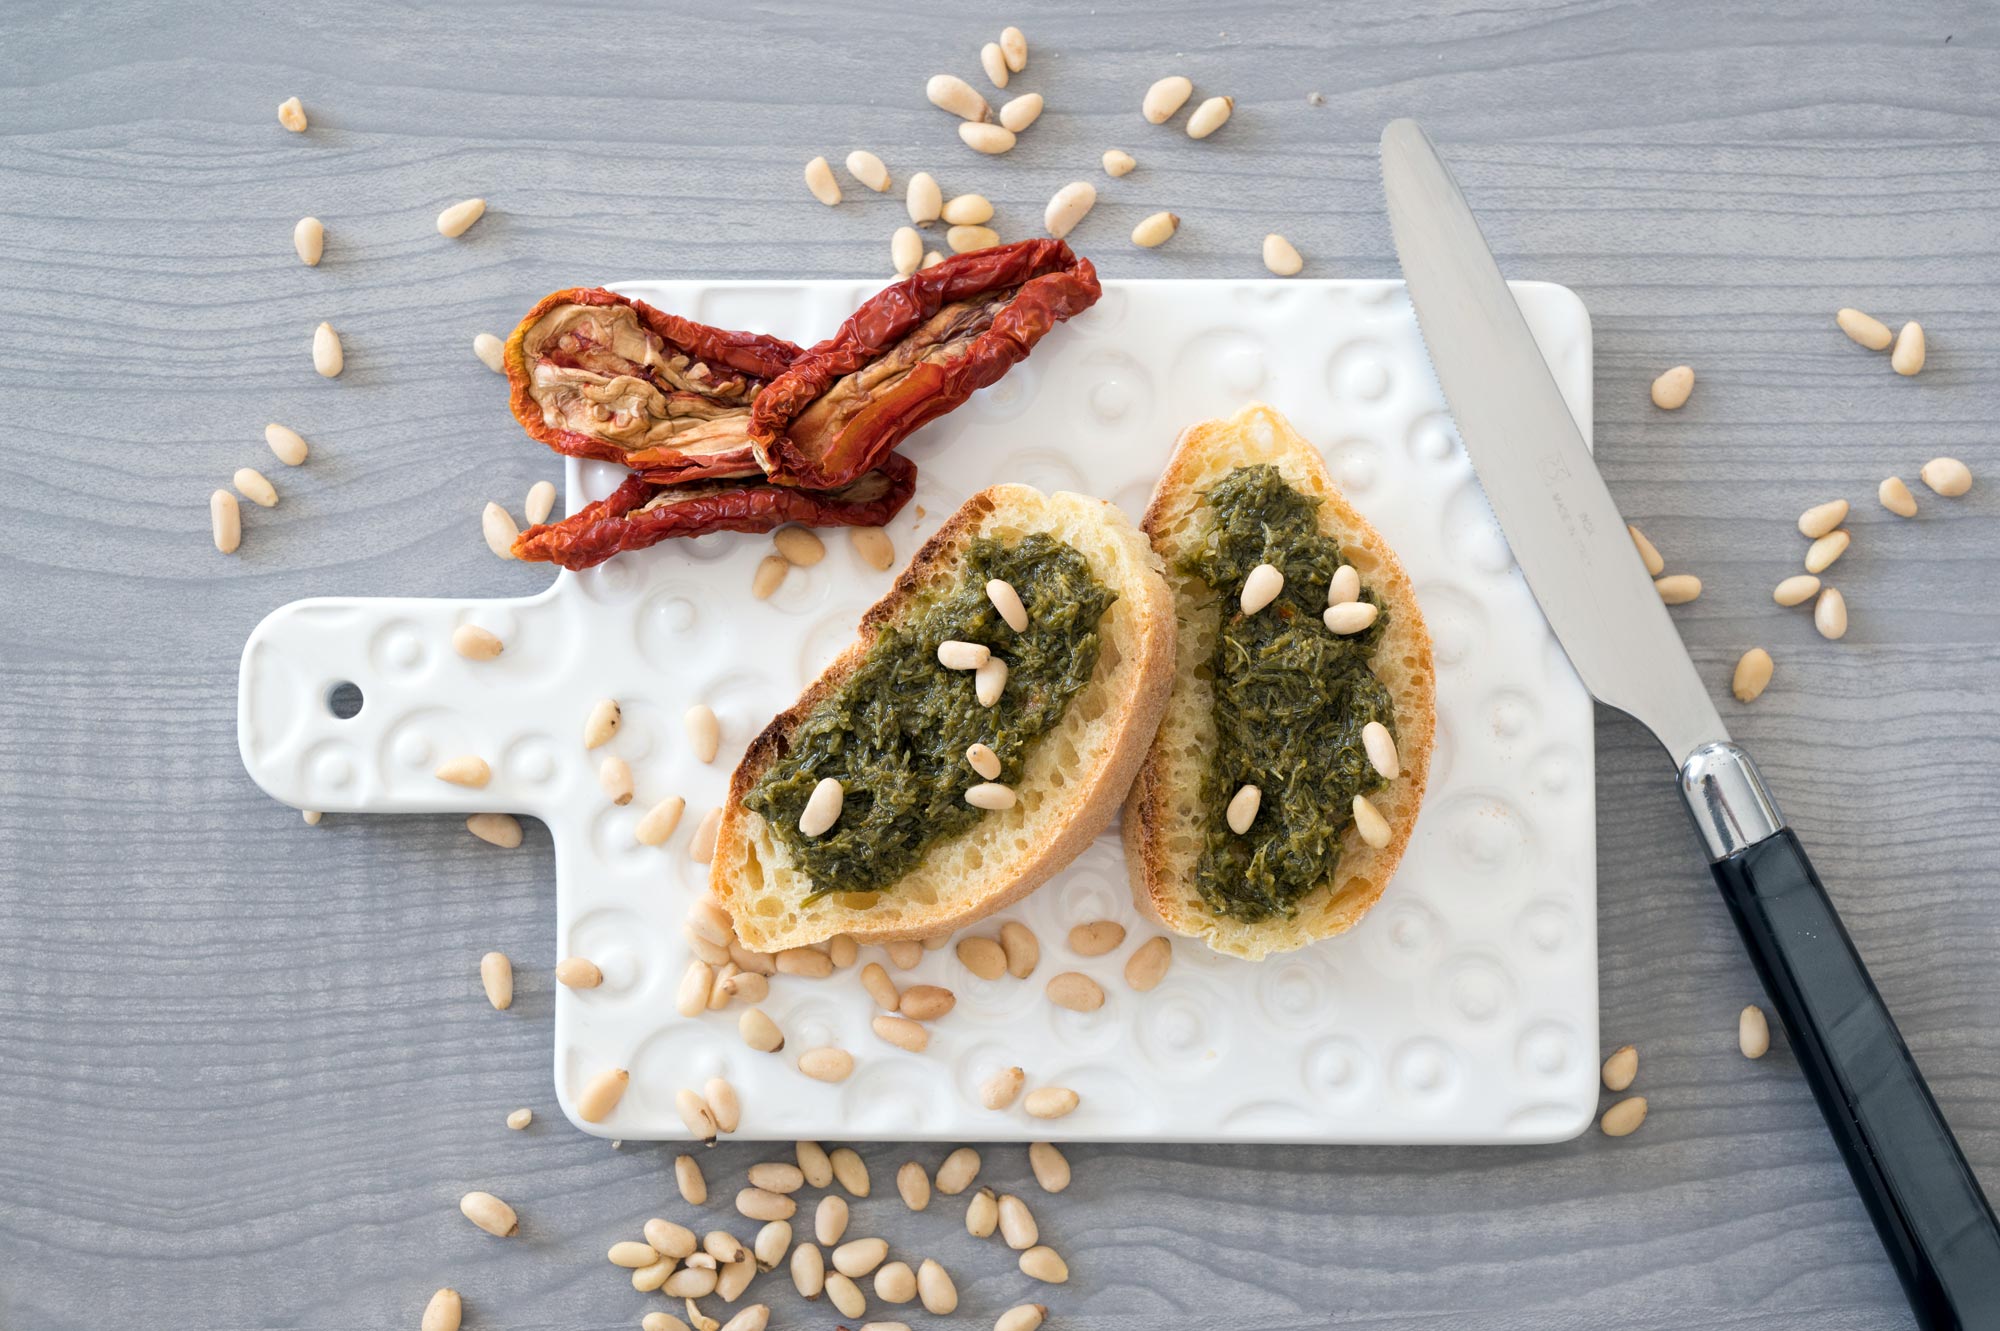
(1462, 1009)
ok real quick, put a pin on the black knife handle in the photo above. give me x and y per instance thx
(1925, 1201)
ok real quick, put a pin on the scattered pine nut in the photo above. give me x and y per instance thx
(286, 444)
(1014, 46)
(309, 239)
(704, 732)
(1020, 112)
(1007, 604)
(292, 115)
(1830, 614)
(1117, 162)
(1678, 588)
(1826, 549)
(1050, 1102)
(984, 957)
(936, 1289)
(1050, 1165)
(873, 545)
(756, 1317)
(845, 1295)
(830, 1219)
(1021, 1317)
(1210, 116)
(1796, 590)
(602, 723)
(1896, 497)
(456, 220)
(1344, 586)
(660, 821)
(1042, 1263)
(1380, 746)
(994, 62)
(1017, 1223)
(1869, 331)
(998, 1091)
(923, 199)
(760, 1032)
(1261, 588)
(1753, 1032)
(857, 1257)
(327, 356)
(614, 777)
(225, 521)
(913, 1185)
(497, 525)
(773, 1241)
(1242, 811)
(1165, 97)
(800, 546)
(880, 987)
(1155, 231)
(602, 1095)
(953, 654)
(901, 1032)
(771, 570)
(1753, 675)
(520, 1119)
(1648, 554)
(757, 1204)
(475, 643)
(982, 1214)
(819, 179)
(578, 973)
(904, 953)
(312, 816)
(808, 1271)
(693, 1187)
(1280, 257)
(990, 795)
(492, 353)
(1370, 823)
(826, 1064)
(814, 1163)
(490, 1214)
(1820, 519)
(696, 1114)
(958, 1171)
(990, 681)
(966, 239)
(950, 93)
(1624, 1118)
(692, 1282)
(931, 260)
(1620, 1069)
(967, 210)
(989, 139)
(444, 1312)
(632, 1254)
(1023, 949)
(1148, 964)
(1068, 206)
(777, 1176)
(1671, 390)
(1947, 476)
(496, 829)
(822, 809)
(1096, 937)
(1908, 357)
(466, 770)
(697, 982)
(982, 759)
(906, 250)
(867, 168)
(926, 1002)
(496, 977)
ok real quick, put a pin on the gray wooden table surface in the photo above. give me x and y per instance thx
(245, 1068)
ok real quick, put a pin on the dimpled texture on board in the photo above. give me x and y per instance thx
(1462, 1009)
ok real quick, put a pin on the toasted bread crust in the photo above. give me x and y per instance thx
(1158, 823)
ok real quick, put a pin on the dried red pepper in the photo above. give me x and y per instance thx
(640, 513)
(599, 375)
(910, 354)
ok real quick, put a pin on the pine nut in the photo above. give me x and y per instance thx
(312, 816)
(808, 1271)
(982, 759)
(492, 353)
(309, 239)
(1261, 588)
(520, 1119)
(1242, 810)
(614, 776)
(777, 1176)
(958, 1171)
(490, 1214)
(1022, 1317)
(1281, 257)
(923, 198)
(965, 239)
(696, 1113)
(1624, 1118)
(602, 1095)
(1753, 1032)
(931, 260)
(465, 770)
(1075, 991)
(1120, 163)
(1344, 586)
(1830, 614)
(950, 93)
(691, 997)
(1350, 616)
(819, 180)
(998, 1091)
(760, 1032)
(660, 821)
(724, 989)
(1068, 206)
(709, 920)
(292, 116)
(496, 976)
(1096, 937)
(632, 1254)
(813, 1163)
(1621, 1068)
(1796, 590)
(826, 1064)
(906, 250)
(756, 1317)
(955, 655)
(722, 1099)
(1827, 549)
(1869, 331)
(1820, 519)
(902, 1032)
(443, 1312)
(497, 525)
(936, 942)
(746, 985)
(1753, 675)
(693, 1187)
(895, 1282)
(912, 1183)
(649, 1278)
(327, 357)
(867, 168)
(758, 1204)
(1147, 965)
(994, 62)
(926, 1002)
(1381, 748)
(456, 220)
(809, 962)
(1896, 497)
(1007, 603)
(690, 1282)
(968, 210)
(984, 957)
(830, 1219)
(879, 986)
(990, 795)
(1678, 588)
(1165, 97)
(286, 444)
(872, 544)
(1210, 116)
(1649, 555)
(845, 1295)
(990, 681)
(989, 139)
(1671, 390)
(822, 809)
(1050, 1165)
(225, 521)
(935, 1288)
(1017, 1223)
(1947, 476)
(1044, 1265)
(1370, 823)
(770, 573)
(799, 545)
(578, 973)
(1908, 357)
(904, 953)
(982, 1214)
(857, 1257)
(1021, 112)
(1156, 230)
(1023, 949)
(1014, 46)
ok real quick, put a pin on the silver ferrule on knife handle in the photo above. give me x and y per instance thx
(1728, 800)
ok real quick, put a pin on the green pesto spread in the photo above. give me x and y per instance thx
(1291, 697)
(895, 733)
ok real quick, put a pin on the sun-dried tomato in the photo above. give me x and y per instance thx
(639, 513)
(599, 375)
(910, 354)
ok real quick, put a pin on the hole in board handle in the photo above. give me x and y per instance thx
(344, 700)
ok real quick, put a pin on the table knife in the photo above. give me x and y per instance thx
(1581, 565)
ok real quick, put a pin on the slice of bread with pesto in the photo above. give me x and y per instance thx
(924, 841)
(1279, 696)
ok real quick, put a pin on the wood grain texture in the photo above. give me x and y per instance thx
(245, 1067)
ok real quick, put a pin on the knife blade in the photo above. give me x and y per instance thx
(1580, 563)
